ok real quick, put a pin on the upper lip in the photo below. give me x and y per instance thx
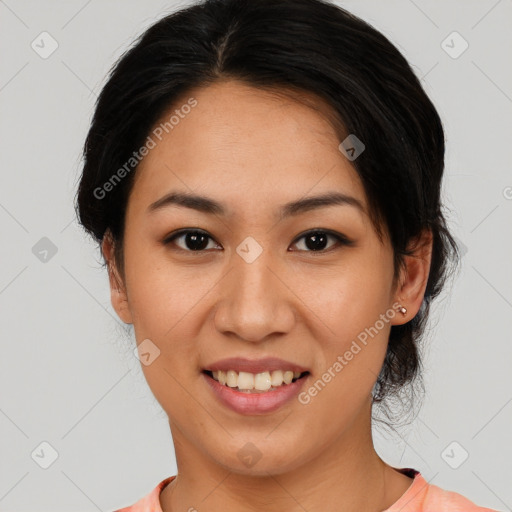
(266, 364)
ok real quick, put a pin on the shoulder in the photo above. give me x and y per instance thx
(424, 497)
(150, 502)
(441, 499)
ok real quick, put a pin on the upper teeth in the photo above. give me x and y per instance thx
(260, 381)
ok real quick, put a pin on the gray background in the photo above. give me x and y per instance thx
(67, 372)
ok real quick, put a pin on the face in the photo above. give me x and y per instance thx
(312, 286)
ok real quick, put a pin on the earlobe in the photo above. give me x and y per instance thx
(118, 295)
(414, 277)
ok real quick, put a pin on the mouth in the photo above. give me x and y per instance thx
(255, 383)
(255, 393)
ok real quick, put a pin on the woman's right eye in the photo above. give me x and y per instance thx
(192, 240)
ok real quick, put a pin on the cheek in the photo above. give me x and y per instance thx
(173, 388)
(355, 306)
(351, 356)
(353, 298)
(161, 295)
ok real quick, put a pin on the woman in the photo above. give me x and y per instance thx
(264, 180)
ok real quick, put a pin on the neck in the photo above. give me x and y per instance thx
(346, 474)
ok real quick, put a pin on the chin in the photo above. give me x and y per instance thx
(250, 460)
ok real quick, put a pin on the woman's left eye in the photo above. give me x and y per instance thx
(314, 240)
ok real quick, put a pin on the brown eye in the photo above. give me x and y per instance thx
(316, 240)
(193, 240)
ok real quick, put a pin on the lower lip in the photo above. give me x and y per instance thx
(255, 403)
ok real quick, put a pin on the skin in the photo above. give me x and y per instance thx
(254, 151)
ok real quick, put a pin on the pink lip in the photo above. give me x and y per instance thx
(267, 364)
(255, 403)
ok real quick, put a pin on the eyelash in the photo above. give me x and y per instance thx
(342, 240)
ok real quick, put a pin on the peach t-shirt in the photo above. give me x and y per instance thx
(419, 497)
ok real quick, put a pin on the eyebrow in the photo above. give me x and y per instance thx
(212, 207)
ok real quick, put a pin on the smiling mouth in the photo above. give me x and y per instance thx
(263, 382)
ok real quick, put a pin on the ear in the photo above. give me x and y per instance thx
(413, 277)
(118, 296)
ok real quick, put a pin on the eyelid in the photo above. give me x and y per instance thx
(180, 232)
(335, 234)
(340, 237)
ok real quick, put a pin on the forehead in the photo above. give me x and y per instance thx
(243, 141)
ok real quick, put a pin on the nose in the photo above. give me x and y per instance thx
(256, 302)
